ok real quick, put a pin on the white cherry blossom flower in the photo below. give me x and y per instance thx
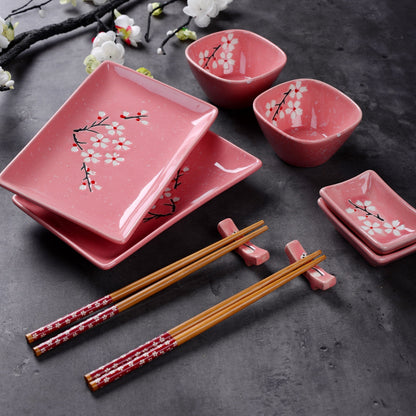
(229, 42)
(226, 60)
(122, 143)
(202, 11)
(293, 109)
(127, 30)
(296, 90)
(6, 79)
(6, 33)
(115, 128)
(372, 228)
(270, 107)
(109, 51)
(114, 159)
(91, 156)
(100, 141)
(395, 227)
(103, 37)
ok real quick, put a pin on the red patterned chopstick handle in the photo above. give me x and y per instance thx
(76, 330)
(69, 319)
(128, 356)
(132, 364)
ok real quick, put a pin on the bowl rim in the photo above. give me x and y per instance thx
(297, 139)
(234, 81)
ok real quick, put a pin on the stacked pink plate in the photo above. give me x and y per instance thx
(372, 217)
(123, 159)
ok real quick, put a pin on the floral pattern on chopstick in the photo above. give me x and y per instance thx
(167, 203)
(289, 105)
(107, 143)
(372, 222)
(70, 318)
(220, 55)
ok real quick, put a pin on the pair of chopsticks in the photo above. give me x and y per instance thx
(182, 333)
(139, 290)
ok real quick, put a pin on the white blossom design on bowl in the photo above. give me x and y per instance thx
(209, 61)
(293, 109)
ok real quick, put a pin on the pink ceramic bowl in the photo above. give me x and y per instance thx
(234, 66)
(306, 121)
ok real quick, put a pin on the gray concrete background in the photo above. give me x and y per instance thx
(347, 351)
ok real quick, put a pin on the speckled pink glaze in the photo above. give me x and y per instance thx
(108, 153)
(220, 163)
(234, 66)
(306, 121)
(373, 211)
(369, 255)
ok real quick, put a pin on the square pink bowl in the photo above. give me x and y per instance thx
(306, 121)
(234, 66)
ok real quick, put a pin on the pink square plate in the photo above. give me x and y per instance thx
(107, 154)
(372, 257)
(213, 166)
(373, 211)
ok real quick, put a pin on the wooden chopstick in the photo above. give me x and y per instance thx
(200, 323)
(196, 319)
(134, 287)
(142, 295)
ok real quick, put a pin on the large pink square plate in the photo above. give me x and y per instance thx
(213, 166)
(371, 256)
(107, 154)
(373, 211)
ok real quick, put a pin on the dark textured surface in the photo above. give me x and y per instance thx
(346, 351)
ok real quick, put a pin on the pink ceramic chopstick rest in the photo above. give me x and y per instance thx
(318, 278)
(251, 254)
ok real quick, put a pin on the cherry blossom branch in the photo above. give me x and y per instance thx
(137, 117)
(87, 175)
(281, 103)
(365, 210)
(151, 13)
(176, 182)
(24, 8)
(172, 33)
(92, 126)
(25, 40)
(77, 142)
(153, 215)
(215, 48)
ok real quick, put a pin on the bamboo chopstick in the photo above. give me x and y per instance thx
(196, 319)
(134, 287)
(200, 323)
(142, 295)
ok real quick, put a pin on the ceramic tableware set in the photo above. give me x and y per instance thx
(122, 159)
(305, 121)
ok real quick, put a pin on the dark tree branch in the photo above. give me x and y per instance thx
(149, 17)
(162, 50)
(25, 40)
